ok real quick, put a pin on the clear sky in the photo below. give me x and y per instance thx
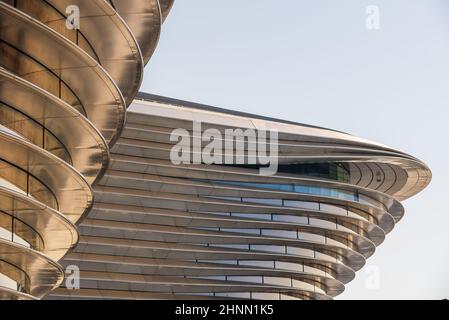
(315, 62)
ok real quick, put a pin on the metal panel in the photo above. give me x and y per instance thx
(63, 97)
(214, 231)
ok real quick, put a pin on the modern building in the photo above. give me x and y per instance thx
(84, 189)
(68, 71)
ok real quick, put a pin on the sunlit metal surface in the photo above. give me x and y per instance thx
(165, 231)
(159, 230)
(44, 228)
(144, 19)
(63, 98)
(108, 39)
(86, 146)
(36, 273)
(9, 294)
(60, 185)
(89, 88)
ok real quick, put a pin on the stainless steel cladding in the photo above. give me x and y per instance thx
(68, 71)
(160, 230)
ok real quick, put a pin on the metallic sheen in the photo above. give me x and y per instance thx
(194, 231)
(63, 98)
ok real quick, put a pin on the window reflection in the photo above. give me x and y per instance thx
(297, 188)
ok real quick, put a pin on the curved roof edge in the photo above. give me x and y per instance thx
(183, 103)
(418, 173)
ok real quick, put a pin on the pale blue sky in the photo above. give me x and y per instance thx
(315, 62)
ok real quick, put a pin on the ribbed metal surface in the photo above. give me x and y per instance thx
(63, 99)
(165, 231)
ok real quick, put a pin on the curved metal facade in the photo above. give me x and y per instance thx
(159, 230)
(64, 92)
(165, 231)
